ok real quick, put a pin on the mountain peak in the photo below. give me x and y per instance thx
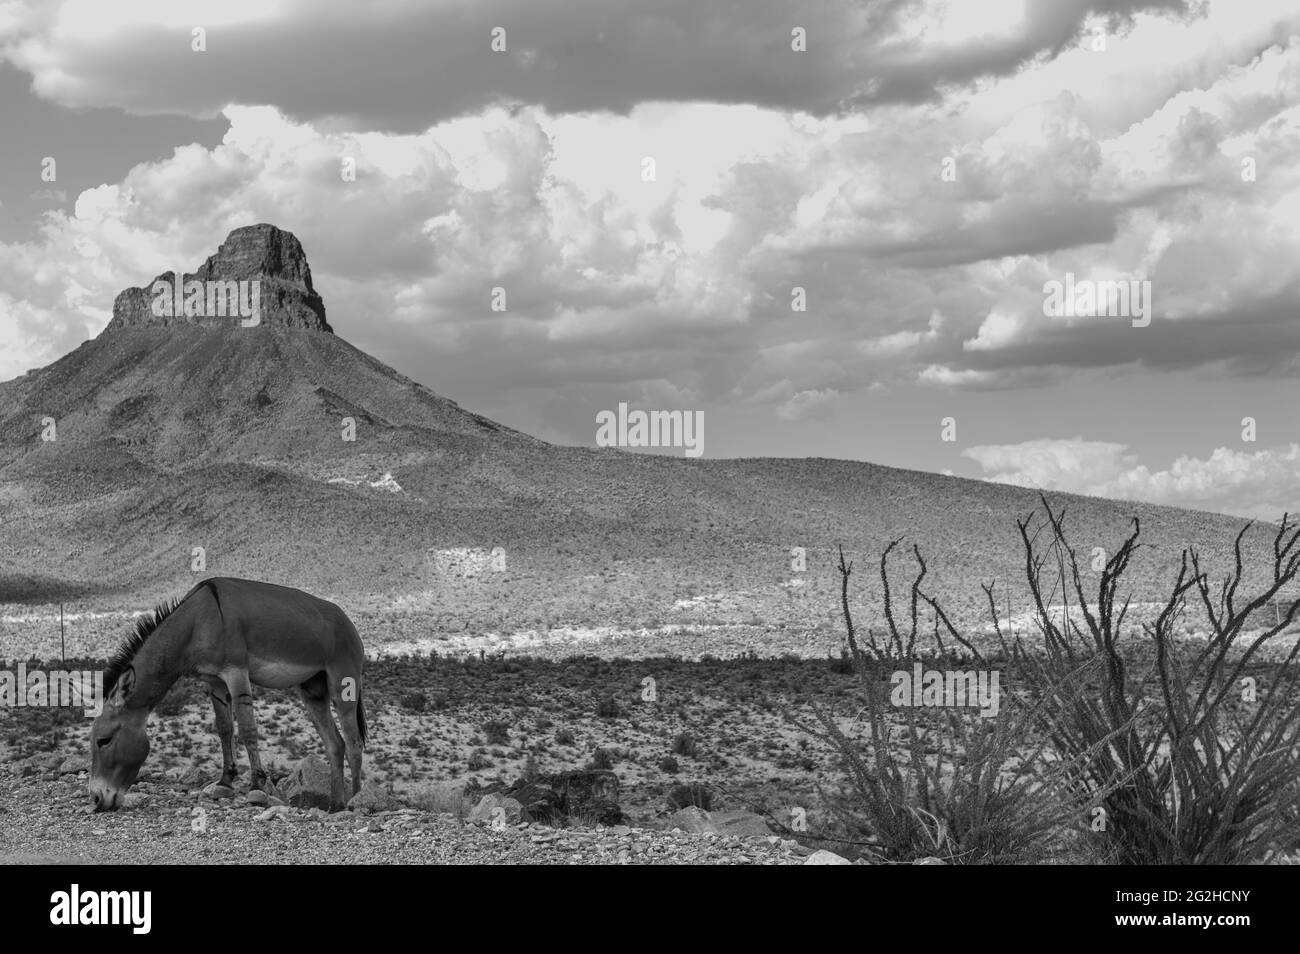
(259, 275)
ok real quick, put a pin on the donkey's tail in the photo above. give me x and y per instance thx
(361, 719)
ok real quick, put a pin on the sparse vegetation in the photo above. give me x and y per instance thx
(1192, 751)
(938, 781)
(693, 793)
(1141, 751)
(413, 701)
(685, 745)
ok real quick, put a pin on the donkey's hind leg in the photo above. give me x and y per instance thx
(347, 702)
(315, 696)
(220, 697)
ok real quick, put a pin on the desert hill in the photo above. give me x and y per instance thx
(181, 431)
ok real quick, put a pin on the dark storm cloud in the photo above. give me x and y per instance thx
(904, 74)
(1252, 338)
(403, 68)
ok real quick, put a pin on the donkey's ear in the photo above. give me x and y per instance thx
(125, 683)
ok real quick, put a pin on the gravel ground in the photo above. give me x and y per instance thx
(45, 819)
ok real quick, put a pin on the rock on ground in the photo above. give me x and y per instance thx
(373, 797)
(308, 786)
(44, 819)
(496, 809)
(739, 823)
(824, 857)
(74, 764)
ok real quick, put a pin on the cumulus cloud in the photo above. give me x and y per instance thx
(820, 171)
(1261, 484)
(806, 404)
(949, 377)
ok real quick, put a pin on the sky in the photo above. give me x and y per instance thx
(831, 228)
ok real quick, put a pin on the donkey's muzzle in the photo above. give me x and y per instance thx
(104, 800)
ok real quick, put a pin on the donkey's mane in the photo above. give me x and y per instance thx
(145, 626)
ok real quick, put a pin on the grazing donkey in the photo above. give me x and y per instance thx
(232, 634)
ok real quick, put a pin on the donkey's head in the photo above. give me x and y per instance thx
(119, 745)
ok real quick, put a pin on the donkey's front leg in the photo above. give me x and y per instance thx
(242, 690)
(225, 723)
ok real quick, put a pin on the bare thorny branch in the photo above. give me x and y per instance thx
(1182, 777)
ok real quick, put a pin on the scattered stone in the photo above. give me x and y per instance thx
(692, 819)
(259, 798)
(485, 812)
(191, 778)
(824, 857)
(931, 861)
(275, 811)
(48, 764)
(308, 786)
(74, 765)
(739, 824)
(373, 797)
(216, 791)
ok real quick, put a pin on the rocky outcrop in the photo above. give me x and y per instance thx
(264, 254)
(580, 796)
(577, 796)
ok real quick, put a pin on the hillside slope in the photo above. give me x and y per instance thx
(179, 435)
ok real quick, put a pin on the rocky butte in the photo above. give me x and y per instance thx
(264, 254)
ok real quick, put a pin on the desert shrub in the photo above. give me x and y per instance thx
(923, 781)
(496, 732)
(413, 700)
(668, 765)
(685, 744)
(957, 787)
(602, 758)
(1188, 769)
(478, 760)
(692, 793)
(843, 665)
(564, 737)
(531, 769)
(440, 798)
(608, 708)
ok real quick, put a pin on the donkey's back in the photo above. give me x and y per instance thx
(280, 635)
